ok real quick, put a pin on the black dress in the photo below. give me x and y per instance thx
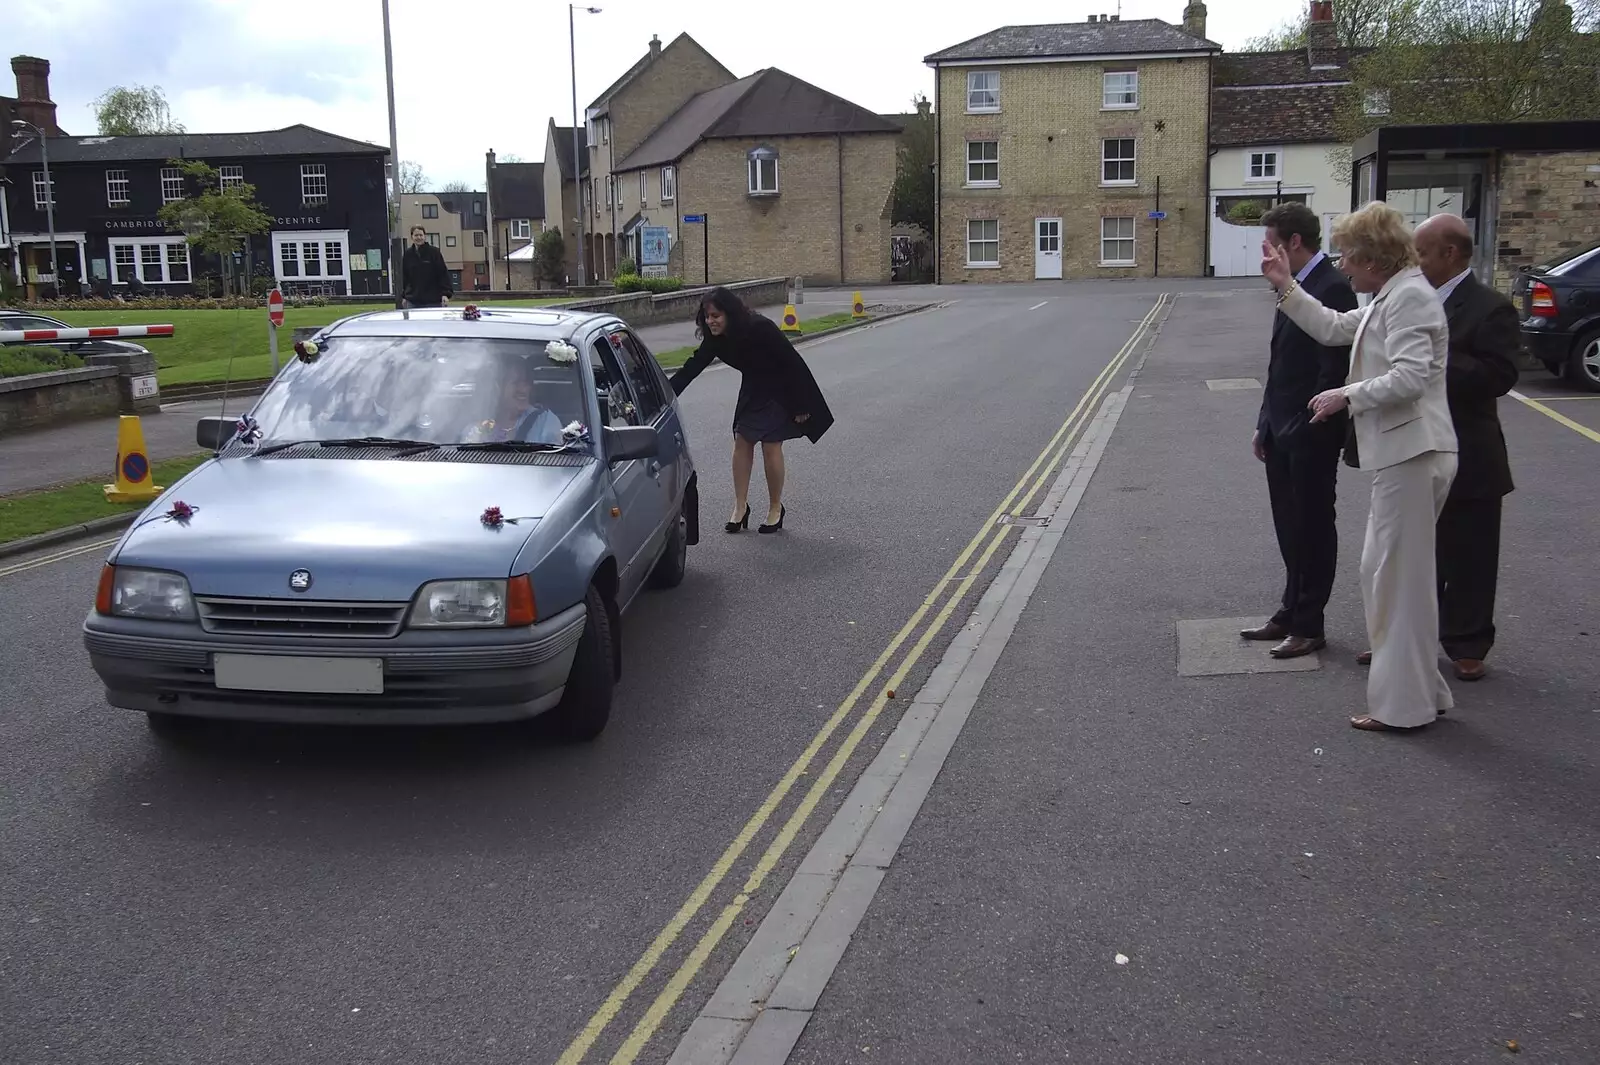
(776, 385)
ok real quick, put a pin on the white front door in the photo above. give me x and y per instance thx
(1047, 248)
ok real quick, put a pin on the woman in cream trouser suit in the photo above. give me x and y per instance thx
(1396, 393)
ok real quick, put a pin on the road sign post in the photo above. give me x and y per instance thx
(274, 322)
(702, 220)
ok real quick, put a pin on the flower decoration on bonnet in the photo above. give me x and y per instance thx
(306, 350)
(559, 351)
(470, 313)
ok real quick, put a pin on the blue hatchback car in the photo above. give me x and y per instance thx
(431, 516)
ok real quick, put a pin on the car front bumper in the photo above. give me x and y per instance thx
(429, 677)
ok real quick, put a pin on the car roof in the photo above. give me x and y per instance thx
(507, 323)
(7, 312)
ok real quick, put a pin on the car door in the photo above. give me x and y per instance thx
(653, 409)
(635, 488)
(645, 375)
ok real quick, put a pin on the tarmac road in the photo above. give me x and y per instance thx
(441, 896)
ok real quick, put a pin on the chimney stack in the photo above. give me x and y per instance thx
(655, 45)
(1194, 19)
(33, 93)
(1322, 36)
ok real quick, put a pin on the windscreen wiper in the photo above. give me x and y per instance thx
(514, 445)
(412, 447)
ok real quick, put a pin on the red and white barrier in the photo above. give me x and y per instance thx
(98, 332)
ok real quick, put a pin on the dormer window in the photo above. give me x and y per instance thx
(763, 168)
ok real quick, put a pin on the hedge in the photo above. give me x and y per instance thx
(635, 283)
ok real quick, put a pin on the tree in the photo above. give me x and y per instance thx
(550, 256)
(412, 178)
(215, 220)
(125, 112)
(911, 201)
(1357, 24)
(455, 186)
(1458, 61)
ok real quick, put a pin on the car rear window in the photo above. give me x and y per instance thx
(1581, 261)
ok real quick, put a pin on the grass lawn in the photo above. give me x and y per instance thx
(27, 513)
(201, 344)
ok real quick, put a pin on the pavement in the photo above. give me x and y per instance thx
(1282, 887)
(78, 451)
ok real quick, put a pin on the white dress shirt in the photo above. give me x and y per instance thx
(1305, 271)
(1450, 285)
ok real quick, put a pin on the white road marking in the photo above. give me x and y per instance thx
(1036, 306)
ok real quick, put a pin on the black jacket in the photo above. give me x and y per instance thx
(425, 276)
(769, 367)
(1485, 336)
(1301, 368)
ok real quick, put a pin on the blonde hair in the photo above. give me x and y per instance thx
(1378, 236)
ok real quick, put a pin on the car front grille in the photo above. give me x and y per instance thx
(296, 617)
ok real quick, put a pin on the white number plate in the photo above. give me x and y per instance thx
(293, 673)
(145, 387)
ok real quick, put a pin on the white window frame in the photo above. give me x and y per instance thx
(988, 99)
(1106, 158)
(754, 176)
(44, 192)
(669, 184)
(429, 210)
(611, 190)
(521, 229)
(135, 247)
(644, 188)
(450, 240)
(313, 176)
(1132, 240)
(323, 237)
(986, 159)
(983, 264)
(433, 238)
(172, 190)
(1268, 160)
(114, 179)
(230, 177)
(1111, 99)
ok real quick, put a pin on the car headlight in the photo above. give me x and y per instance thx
(460, 604)
(146, 593)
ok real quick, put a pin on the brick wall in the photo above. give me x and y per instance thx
(1549, 202)
(39, 400)
(684, 70)
(796, 232)
(1049, 131)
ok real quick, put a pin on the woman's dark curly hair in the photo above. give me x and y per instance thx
(730, 305)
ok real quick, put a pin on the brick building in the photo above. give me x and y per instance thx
(789, 178)
(457, 224)
(31, 104)
(1060, 147)
(516, 217)
(564, 178)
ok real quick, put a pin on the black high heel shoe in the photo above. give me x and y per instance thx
(783, 512)
(742, 523)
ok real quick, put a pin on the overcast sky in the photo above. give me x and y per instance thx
(491, 73)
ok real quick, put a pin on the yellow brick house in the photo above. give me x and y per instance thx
(1073, 150)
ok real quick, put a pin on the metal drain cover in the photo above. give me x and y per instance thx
(1028, 522)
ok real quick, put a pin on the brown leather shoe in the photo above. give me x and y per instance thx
(1471, 669)
(1271, 631)
(1298, 647)
(1364, 658)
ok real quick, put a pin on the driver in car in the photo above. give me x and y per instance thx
(518, 416)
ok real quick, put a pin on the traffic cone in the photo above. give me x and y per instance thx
(858, 309)
(791, 320)
(135, 483)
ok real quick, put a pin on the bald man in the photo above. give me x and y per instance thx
(1484, 341)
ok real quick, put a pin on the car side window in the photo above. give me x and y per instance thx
(611, 387)
(641, 375)
(20, 321)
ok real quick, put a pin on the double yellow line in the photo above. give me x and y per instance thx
(983, 545)
(58, 556)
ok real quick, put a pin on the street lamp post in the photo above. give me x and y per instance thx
(577, 163)
(396, 254)
(49, 194)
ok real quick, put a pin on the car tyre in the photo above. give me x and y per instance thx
(585, 706)
(674, 563)
(1583, 368)
(172, 728)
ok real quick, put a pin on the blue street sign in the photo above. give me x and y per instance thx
(694, 219)
(1158, 215)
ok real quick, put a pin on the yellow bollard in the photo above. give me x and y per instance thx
(134, 483)
(858, 309)
(791, 320)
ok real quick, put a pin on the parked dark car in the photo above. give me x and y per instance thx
(14, 320)
(1560, 304)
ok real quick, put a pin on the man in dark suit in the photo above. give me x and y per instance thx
(1302, 457)
(1484, 340)
(424, 273)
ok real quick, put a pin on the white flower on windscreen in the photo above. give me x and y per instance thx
(561, 352)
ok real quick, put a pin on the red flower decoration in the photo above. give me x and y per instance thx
(492, 517)
(469, 313)
(180, 511)
(306, 350)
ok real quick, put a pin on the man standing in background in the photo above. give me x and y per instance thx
(1302, 457)
(424, 273)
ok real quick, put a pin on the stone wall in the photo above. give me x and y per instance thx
(1549, 203)
(642, 308)
(37, 400)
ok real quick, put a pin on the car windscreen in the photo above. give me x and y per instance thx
(1572, 260)
(442, 390)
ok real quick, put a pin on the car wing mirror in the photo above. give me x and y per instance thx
(213, 432)
(631, 442)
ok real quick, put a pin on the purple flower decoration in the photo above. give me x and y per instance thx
(470, 313)
(180, 511)
(492, 517)
(249, 431)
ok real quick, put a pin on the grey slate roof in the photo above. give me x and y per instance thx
(517, 190)
(460, 204)
(563, 140)
(768, 103)
(1276, 98)
(1067, 40)
(291, 140)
